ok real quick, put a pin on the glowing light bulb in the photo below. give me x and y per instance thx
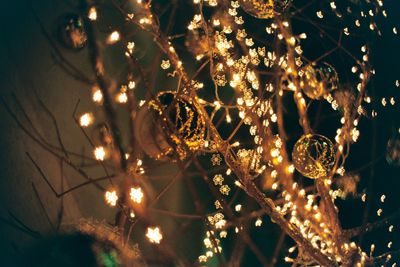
(100, 153)
(86, 119)
(114, 37)
(111, 197)
(136, 195)
(154, 235)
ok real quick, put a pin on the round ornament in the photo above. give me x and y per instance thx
(150, 134)
(264, 9)
(314, 156)
(393, 152)
(317, 81)
(72, 32)
(167, 124)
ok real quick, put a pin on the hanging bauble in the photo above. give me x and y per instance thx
(314, 156)
(72, 33)
(150, 134)
(318, 80)
(167, 124)
(393, 151)
(264, 9)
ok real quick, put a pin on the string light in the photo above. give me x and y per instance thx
(111, 197)
(114, 37)
(92, 14)
(154, 235)
(100, 153)
(136, 195)
(86, 119)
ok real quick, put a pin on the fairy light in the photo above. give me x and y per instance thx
(92, 14)
(203, 258)
(238, 208)
(131, 85)
(142, 102)
(136, 195)
(291, 168)
(165, 64)
(129, 47)
(228, 118)
(114, 37)
(122, 97)
(379, 212)
(111, 197)
(223, 234)
(97, 96)
(86, 119)
(364, 197)
(99, 153)
(154, 235)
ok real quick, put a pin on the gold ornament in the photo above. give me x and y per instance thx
(263, 9)
(314, 156)
(167, 124)
(317, 81)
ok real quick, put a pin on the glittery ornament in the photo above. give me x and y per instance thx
(393, 151)
(314, 156)
(167, 124)
(318, 80)
(264, 9)
(72, 33)
(150, 134)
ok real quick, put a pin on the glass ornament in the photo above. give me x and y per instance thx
(318, 80)
(150, 134)
(72, 33)
(264, 9)
(314, 156)
(393, 151)
(169, 124)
